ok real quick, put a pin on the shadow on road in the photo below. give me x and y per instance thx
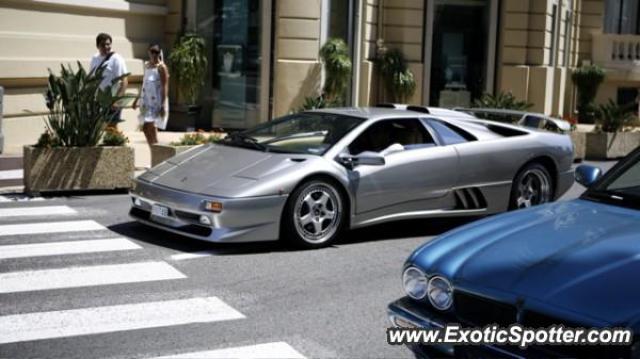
(404, 229)
(387, 231)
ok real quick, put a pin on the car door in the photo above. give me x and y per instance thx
(415, 176)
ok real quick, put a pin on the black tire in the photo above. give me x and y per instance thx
(525, 194)
(318, 199)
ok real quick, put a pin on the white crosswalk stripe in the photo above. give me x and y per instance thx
(75, 322)
(36, 211)
(70, 322)
(66, 248)
(49, 227)
(11, 174)
(87, 276)
(277, 350)
(192, 255)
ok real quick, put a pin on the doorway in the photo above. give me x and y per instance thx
(459, 51)
(238, 38)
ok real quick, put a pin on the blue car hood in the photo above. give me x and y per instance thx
(578, 256)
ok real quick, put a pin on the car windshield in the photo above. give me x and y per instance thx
(308, 132)
(621, 187)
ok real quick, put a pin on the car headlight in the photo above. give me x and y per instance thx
(440, 293)
(415, 283)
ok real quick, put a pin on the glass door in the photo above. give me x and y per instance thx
(461, 45)
(238, 38)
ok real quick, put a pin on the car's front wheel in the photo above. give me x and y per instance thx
(314, 215)
(532, 186)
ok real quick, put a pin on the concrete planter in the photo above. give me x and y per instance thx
(603, 145)
(161, 153)
(579, 140)
(77, 168)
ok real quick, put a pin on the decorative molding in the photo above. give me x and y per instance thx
(119, 6)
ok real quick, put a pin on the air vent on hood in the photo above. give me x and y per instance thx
(298, 159)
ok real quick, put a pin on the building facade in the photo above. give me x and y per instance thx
(263, 54)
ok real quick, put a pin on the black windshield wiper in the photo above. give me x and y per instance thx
(243, 139)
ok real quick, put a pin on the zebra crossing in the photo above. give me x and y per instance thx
(29, 235)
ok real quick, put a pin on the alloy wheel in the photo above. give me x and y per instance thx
(317, 213)
(534, 188)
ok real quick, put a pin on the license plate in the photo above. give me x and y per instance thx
(159, 211)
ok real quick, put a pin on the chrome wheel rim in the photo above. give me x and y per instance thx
(534, 188)
(317, 213)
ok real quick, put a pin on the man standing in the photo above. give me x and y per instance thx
(114, 67)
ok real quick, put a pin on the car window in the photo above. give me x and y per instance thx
(307, 132)
(533, 121)
(446, 134)
(628, 181)
(409, 133)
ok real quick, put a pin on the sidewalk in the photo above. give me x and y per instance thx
(141, 149)
(10, 177)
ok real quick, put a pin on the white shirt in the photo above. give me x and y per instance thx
(115, 67)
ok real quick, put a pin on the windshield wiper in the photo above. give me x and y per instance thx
(243, 139)
(297, 135)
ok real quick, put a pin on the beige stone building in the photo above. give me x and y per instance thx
(263, 54)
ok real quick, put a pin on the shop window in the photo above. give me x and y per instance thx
(554, 35)
(621, 17)
(627, 96)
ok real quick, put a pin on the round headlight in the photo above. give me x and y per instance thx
(440, 293)
(415, 283)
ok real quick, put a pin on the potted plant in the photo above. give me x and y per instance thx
(610, 140)
(188, 68)
(161, 153)
(398, 79)
(587, 79)
(337, 66)
(501, 100)
(77, 151)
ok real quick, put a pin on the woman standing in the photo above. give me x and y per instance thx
(154, 108)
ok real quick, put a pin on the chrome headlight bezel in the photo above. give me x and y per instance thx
(418, 279)
(436, 287)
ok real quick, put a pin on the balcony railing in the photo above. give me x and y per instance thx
(618, 51)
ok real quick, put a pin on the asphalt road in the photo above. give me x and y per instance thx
(326, 303)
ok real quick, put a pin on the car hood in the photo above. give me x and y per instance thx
(218, 170)
(581, 256)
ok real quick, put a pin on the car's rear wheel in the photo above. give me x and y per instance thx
(532, 186)
(314, 215)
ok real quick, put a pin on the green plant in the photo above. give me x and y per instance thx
(79, 110)
(613, 117)
(188, 62)
(587, 79)
(314, 103)
(501, 100)
(114, 137)
(197, 138)
(397, 77)
(337, 64)
(47, 140)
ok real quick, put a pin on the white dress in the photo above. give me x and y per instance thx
(150, 97)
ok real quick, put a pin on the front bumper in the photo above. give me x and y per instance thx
(565, 181)
(241, 219)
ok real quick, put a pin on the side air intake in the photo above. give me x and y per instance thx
(469, 198)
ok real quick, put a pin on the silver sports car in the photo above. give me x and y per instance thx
(305, 177)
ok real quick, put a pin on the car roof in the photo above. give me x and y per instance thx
(476, 126)
(386, 112)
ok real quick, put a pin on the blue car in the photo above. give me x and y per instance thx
(574, 263)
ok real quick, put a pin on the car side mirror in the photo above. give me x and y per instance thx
(366, 158)
(587, 175)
